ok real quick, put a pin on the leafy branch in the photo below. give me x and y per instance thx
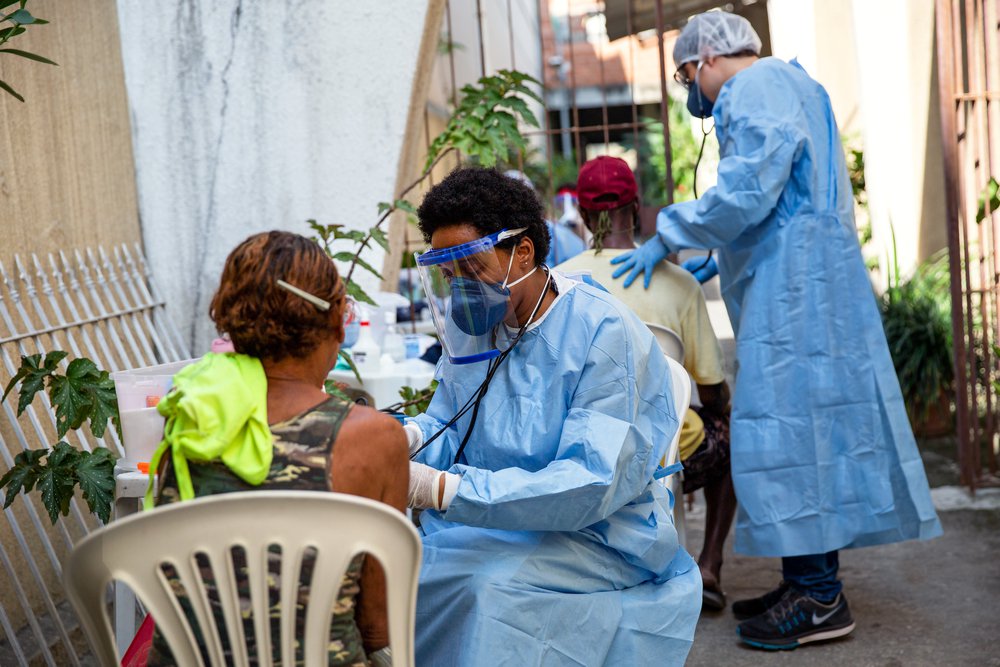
(415, 401)
(83, 393)
(17, 19)
(63, 469)
(483, 127)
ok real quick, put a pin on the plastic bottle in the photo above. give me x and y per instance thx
(412, 344)
(365, 352)
(392, 344)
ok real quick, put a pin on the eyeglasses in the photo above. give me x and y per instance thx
(682, 79)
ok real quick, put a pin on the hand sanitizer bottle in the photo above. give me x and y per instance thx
(365, 352)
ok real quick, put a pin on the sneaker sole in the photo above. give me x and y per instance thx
(799, 641)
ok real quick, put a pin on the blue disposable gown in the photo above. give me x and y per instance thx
(823, 457)
(563, 243)
(558, 549)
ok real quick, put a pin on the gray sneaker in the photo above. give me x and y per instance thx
(797, 619)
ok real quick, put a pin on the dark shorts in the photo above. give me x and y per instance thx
(711, 460)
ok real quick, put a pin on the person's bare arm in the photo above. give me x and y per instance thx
(370, 459)
(715, 397)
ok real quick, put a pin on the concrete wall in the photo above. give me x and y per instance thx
(251, 115)
(876, 59)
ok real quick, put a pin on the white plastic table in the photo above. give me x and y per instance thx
(130, 488)
(385, 383)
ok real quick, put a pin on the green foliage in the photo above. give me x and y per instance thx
(855, 160)
(917, 320)
(83, 393)
(415, 401)
(684, 148)
(17, 19)
(485, 123)
(989, 200)
(483, 128)
(63, 469)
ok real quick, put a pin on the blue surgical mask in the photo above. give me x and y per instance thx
(478, 307)
(699, 105)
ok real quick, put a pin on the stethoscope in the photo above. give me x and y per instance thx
(494, 365)
(694, 183)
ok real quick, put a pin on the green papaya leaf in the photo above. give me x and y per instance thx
(96, 475)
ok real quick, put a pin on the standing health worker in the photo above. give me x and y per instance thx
(823, 457)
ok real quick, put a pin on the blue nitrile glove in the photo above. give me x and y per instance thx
(703, 271)
(641, 260)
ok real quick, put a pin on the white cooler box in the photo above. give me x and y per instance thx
(139, 390)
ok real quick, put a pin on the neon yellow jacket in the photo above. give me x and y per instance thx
(217, 409)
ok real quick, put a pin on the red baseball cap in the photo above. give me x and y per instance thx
(608, 179)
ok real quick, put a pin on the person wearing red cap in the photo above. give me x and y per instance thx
(609, 206)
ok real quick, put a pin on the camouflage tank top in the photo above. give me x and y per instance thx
(303, 446)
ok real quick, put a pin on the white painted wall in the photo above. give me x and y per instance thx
(875, 58)
(250, 115)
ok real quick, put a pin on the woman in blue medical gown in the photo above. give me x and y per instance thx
(556, 547)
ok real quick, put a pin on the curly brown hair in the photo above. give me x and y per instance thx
(265, 321)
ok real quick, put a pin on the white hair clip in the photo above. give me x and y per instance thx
(311, 298)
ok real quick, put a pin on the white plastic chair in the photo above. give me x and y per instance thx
(670, 342)
(337, 526)
(681, 385)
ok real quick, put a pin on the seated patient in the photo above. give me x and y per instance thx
(548, 541)
(285, 344)
(609, 205)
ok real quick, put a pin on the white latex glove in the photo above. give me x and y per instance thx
(426, 487)
(414, 436)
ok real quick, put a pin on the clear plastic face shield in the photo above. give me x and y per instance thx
(467, 288)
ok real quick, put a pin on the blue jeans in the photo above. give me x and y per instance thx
(815, 575)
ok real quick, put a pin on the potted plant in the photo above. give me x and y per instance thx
(917, 321)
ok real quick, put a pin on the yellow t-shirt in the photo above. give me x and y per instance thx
(674, 300)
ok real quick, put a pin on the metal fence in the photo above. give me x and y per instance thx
(968, 50)
(97, 304)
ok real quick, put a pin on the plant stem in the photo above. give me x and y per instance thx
(406, 191)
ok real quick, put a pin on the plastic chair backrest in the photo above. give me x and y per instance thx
(669, 341)
(331, 527)
(680, 383)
